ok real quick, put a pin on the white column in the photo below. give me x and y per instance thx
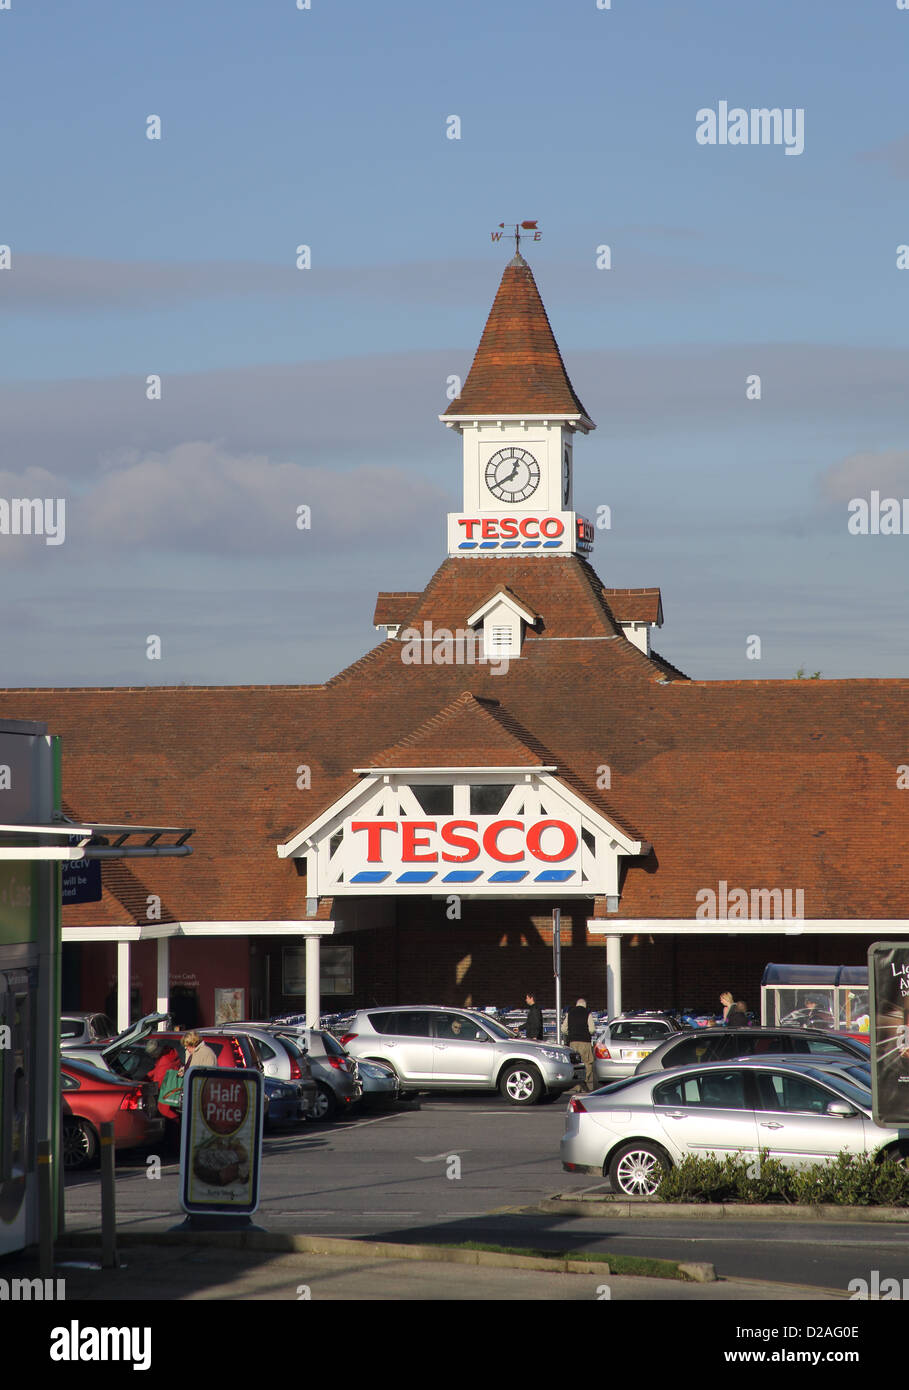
(614, 975)
(313, 1003)
(123, 966)
(162, 1002)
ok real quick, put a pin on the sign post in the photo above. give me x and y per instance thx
(221, 1145)
(888, 1005)
(557, 968)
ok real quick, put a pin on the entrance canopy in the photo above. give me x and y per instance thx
(480, 832)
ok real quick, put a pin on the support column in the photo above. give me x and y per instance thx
(313, 1002)
(162, 991)
(123, 976)
(614, 975)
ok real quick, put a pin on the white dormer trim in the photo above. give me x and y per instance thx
(502, 617)
(639, 634)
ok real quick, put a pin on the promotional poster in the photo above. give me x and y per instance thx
(222, 1140)
(888, 973)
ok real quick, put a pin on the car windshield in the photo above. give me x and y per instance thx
(497, 1029)
(644, 1031)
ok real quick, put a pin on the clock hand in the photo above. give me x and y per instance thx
(511, 475)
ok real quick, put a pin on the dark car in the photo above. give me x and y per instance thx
(725, 1044)
(90, 1096)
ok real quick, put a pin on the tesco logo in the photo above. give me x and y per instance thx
(506, 528)
(453, 841)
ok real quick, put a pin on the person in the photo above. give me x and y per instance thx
(198, 1053)
(533, 1028)
(164, 1059)
(726, 1001)
(735, 1014)
(578, 1029)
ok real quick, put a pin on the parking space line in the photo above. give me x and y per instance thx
(358, 1124)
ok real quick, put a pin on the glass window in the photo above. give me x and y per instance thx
(264, 1049)
(690, 1050)
(637, 1032)
(68, 1083)
(413, 1024)
(752, 1044)
(722, 1090)
(332, 1046)
(436, 800)
(488, 799)
(792, 1094)
(383, 1022)
(825, 1046)
(458, 1027)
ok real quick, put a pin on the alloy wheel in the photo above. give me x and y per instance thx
(639, 1172)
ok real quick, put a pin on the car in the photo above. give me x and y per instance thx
(854, 1070)
(282, 1059)
(90, 1096)
(76, 1029)
(448, 1049)
(333, 1070)
(723, 1044)
(380, 1084)
(626, 1040)
(283, 1102)
(98, 1052)
(635, 1129)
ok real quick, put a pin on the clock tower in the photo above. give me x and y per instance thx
(517, 415)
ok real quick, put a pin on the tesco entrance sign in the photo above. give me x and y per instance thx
(467, 850)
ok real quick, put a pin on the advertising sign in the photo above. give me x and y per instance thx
(485, 533)
(475, 850)
(888, 976)
(221, 1148)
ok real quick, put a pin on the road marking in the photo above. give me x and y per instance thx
(359, 1124)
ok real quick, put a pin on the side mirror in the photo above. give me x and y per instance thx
(842, 1108)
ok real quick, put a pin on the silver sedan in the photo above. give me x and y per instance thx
(634, 1130)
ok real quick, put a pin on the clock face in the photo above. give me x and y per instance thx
(512, 475)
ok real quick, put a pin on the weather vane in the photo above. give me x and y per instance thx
(515, 230)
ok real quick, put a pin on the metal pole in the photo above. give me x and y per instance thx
(46, 1208)
(109, 1258)
(557, 968)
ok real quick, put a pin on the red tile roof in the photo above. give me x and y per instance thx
(392, 607)
(635, 605)
(761, 783)
(518, 368)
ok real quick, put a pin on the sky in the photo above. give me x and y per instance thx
(329, 128)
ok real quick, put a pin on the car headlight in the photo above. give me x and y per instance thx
(555, 1055)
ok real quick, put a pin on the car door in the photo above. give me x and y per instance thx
(792, 1120)
(707, 1112)
(409, 1048)
(463, 1051)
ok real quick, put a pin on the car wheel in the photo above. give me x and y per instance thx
(325, 1106)
(636, 1168)
(521, 1084)
(80, 1144)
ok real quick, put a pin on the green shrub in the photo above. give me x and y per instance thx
(846, 1180)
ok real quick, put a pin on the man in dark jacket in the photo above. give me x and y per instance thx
(578, 1030)
(533, 1028)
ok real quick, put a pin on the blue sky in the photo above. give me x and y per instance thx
(327, 127)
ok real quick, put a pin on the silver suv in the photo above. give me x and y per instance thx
(436, 1049)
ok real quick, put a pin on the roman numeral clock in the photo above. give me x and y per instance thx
(512, 475)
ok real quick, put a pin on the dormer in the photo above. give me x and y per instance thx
(393, 610)
(503, 617)
(636, 611)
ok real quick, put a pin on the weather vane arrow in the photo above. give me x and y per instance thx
(515, 229)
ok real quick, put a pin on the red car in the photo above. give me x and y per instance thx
(90, 1096)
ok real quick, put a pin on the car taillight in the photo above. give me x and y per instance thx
(133, 1100)
(345, 1038)
(236, 1049)
(339, 1063)
(577, 1105)
(601, 1051)
(295, 1072)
